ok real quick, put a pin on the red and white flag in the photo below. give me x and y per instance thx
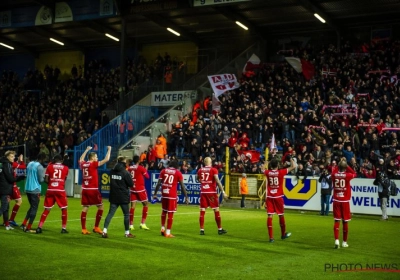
(394, 80)
(302, 66)
(252, 155)
(253, 63)
(327, 72)
(222, 83)
(216, 105)
(272, 144)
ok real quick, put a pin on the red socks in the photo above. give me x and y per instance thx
(336, 226)
(345, 231)
(64, 216)
(83, 219)
(163, 218)
(282, 224)
(131, 215)
(99, 214)
(144, 214)
(201, 219)
(170, 220)
(14, 212)
(43, 217)
(269, 226)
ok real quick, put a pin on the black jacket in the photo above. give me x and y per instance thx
(324, 177)
(6, 177)
(120, 182)
(383, 181)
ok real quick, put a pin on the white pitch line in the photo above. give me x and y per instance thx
(118, 217)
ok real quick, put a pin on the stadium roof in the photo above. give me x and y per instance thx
(207, 25)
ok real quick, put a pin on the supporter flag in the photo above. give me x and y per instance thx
(327, 72)
(272, 144)
(302, 66)
(253, 63)
(222, 83)
(216, 105)
(253, 155)
(394, 80)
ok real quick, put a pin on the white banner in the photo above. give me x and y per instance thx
(364, 198)
(171, 98)
(199, 3)
(222, 83)
(63, 12)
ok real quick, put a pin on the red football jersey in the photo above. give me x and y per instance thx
(138, 173)
(57, 173)
(341, 184)
(207, 181)
(90, 177)
(170, 177)
(275, 182)
(19, 169)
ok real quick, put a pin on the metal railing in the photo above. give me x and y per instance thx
(116, 133)
(112, 135)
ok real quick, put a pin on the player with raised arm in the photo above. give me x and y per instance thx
(168, 181)
(90, 187)
(274, 202)
(16, 195)
(341, 177)
(138, 192)
(208, 178)
(55, 176)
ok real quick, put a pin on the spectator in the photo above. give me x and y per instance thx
(129, 128)
(244, 190)
(151, 154)
(326, 191)
(383, 183)
(186, 168)
(160, 151)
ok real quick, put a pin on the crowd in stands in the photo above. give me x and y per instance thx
(350, 109)
(51, 115)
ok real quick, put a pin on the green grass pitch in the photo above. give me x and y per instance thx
(243, 253)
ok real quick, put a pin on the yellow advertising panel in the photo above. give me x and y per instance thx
(63, 60)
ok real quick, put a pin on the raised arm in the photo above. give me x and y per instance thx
(350, 170)
(107, 158)
(292, 166)
(82, 158)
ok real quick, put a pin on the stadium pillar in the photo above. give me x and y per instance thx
(122, 78)
(227, 171)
